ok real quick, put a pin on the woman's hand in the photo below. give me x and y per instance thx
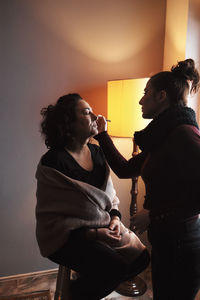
(108, 236)
(101, 123)
(115, 225)
(140, 221)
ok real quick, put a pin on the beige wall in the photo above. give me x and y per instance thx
(175, 32)
(49, 48)
(182, 37)
(193, 45)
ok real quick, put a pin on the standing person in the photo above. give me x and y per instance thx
(78, 221)
(169, 164)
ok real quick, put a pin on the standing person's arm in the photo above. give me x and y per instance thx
(121, 167)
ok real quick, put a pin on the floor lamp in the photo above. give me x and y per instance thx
(125, 114)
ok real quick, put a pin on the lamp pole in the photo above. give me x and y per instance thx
(135, 286)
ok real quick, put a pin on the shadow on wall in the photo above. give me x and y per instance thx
(97, 98)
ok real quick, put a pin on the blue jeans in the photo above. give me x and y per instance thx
(175, 260)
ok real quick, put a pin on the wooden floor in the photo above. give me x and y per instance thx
(46, 280)
(24, 284)
(116, 296)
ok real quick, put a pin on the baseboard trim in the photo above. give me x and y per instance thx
(30, 274)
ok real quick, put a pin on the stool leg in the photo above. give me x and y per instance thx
(63, 284)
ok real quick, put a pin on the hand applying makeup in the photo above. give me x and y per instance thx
(101, 123)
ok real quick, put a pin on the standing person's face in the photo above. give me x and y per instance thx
(153, 102)
(85, 124)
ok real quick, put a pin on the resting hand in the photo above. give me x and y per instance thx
(115, 225)
(140, 221)
(101, 123)
(108, 236)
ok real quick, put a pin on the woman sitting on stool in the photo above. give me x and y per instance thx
(78, 221)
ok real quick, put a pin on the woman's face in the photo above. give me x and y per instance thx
(153, 102)
(85, 124)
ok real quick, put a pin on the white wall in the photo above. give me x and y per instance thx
(49, 48)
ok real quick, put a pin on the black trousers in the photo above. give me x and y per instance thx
(175, 260)
(100, 267)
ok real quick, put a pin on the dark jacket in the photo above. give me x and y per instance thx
(170, 172)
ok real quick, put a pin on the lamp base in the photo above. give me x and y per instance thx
(132, 288)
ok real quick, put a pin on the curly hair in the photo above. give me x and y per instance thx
(57, 119)
(176, 81)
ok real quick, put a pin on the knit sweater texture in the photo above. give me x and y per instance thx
(65, 204)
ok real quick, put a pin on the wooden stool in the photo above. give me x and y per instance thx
(63, 284)
(62, 291)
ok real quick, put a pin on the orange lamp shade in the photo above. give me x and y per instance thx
(124, 109)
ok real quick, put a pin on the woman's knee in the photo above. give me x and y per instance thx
(140, 264)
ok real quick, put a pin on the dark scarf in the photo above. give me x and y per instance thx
(159, 128)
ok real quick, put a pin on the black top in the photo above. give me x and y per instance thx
(62, 161)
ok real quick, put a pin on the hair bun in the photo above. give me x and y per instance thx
(186, 70)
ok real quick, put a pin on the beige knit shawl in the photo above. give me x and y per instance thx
(65, 204)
